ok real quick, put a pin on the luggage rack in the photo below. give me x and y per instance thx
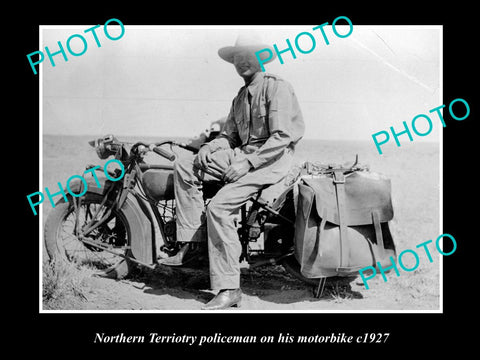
(315, 168)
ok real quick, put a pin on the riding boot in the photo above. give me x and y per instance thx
(225, 299)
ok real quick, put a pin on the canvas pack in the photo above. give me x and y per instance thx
(342, 221)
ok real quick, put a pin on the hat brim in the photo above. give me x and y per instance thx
(228, 52)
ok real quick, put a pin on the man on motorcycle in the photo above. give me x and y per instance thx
(254, 150)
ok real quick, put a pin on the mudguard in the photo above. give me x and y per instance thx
(142, 231)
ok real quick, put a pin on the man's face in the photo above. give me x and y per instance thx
(246, 64)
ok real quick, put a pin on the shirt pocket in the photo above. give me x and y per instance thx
(260, 126)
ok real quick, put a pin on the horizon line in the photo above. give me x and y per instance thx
(190, 137)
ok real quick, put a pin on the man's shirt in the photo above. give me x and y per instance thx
(264, 120)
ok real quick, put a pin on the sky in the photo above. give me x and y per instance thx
(169, 80)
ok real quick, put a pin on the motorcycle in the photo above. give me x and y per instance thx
(131, 222)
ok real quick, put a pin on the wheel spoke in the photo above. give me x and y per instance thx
(106, 234)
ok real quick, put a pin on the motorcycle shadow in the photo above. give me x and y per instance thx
(270, 284)
(274, 284)
(181, 282)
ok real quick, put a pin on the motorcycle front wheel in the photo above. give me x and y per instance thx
(62, 244)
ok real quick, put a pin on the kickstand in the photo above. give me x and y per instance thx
(320, 287)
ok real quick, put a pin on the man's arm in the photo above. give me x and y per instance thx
(228, 137)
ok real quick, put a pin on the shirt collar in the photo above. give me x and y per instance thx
(256, 81)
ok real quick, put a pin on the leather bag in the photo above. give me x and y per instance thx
(342, 220)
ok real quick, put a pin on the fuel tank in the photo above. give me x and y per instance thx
(158, 184)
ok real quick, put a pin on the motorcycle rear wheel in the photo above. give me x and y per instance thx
(62, 244)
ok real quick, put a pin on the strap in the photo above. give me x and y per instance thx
(348, 269)
(318, 240)
(339, 181)
(321, 227)
(295, 196)
(378, 234)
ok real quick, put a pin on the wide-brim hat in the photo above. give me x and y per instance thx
(249, 43)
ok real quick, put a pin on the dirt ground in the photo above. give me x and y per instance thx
(266, 289)
(415, 190)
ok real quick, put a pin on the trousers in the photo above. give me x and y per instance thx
(216, 222)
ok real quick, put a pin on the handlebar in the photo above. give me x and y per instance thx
(162, 152)
(186, 147)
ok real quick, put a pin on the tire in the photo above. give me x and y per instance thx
(62, 245)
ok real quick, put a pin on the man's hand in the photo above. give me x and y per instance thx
(236, 170)
(203, 156)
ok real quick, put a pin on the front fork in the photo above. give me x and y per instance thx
(94, 223)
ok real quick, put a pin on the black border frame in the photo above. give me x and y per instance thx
(409, 333)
